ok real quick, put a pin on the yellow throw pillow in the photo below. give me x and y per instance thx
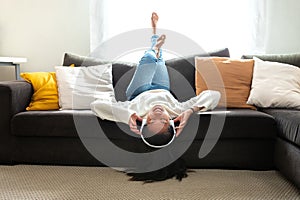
(45, 96)
(234, 82)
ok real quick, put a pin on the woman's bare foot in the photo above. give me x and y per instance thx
(161, 40)
(159, 43)
(154, 19)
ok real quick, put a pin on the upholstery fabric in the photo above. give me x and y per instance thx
(227, 154)
(248, 124)
(14, 98)
(64, 123)
(122, 74)
(182, 81)
(275, 85)
(188, 63)
(52, 151)
(78, 87)
(236, 153)
(292, 59)
(78, 60)
(234, 82)
(288, 123)
(239, 123)
(12, 92)
(287, 160)
(46, 123)
(45, 96)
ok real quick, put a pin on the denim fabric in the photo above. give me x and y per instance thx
(153, 40)
(151, 73)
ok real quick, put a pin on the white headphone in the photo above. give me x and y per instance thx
(144, 122)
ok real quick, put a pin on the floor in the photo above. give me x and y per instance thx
(66, 182)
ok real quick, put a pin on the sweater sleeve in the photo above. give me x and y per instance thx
(113, 111)
(208, 99)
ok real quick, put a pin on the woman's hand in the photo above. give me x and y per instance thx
(132, 123)
(183, 119)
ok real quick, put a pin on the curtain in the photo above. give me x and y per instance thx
(239, 25)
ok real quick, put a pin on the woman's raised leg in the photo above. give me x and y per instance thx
(151, 72)
(161, 77)
(143, 75)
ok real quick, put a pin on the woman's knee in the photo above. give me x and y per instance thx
(149, 57)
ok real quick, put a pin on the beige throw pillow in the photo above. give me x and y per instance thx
(78, 87)
(231, 77)
(275, 85)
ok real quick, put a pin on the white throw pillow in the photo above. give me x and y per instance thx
(78, 87)
(275, 85)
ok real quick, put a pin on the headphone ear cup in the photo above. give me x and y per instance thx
(144, 122)
(173, 125)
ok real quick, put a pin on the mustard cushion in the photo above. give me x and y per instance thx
(45, 96)
(236, 80)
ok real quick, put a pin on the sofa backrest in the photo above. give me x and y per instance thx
(181, 72)
(292, 59)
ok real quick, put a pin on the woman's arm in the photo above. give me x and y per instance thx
(116, 111)
(113, 111)
(132, 123)
(206, 100)
(184, 117)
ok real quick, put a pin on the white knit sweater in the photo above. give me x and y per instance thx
(142, 104)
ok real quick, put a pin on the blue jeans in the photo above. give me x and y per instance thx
(151, 73)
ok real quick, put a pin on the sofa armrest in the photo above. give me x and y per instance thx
(14, 97)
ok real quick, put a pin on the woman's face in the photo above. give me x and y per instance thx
(158, 119)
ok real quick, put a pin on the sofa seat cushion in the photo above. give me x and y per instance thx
(66, 123)
(47, 123)
(239, 124)
(288, 123)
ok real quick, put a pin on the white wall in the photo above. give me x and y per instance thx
(41, 31)
(283, 26)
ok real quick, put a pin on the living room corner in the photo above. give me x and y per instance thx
(42, 32)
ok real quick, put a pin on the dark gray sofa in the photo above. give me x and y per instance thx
(254, 140)
(287, 145)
